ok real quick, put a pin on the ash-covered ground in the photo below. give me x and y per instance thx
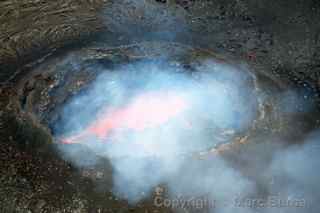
(279, 40)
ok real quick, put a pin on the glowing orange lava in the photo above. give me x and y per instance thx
(145, 111)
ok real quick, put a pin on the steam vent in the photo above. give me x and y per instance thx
(160, 106)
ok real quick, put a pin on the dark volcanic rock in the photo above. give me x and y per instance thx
(30, 29)
(280, 39)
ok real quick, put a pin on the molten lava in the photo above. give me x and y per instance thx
(148, 110)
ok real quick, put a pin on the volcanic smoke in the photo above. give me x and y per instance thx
(148, 110)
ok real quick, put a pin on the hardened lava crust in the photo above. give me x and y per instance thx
(41, 95)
